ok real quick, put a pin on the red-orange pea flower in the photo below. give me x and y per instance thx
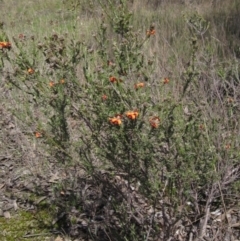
(51, 83)
(227, 146)
(113, 79)
(31, 71)
(139, 85)
(165, 81)
(115, 120)
(104, 97)
(6, 45)
(132, 115)
(38, 134)
(201, 127)
(154, 121)
(230, 100)
(62, 81)
(151, 31)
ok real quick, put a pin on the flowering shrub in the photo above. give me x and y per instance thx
(145, 139)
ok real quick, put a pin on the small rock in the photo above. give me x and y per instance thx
(7, 214)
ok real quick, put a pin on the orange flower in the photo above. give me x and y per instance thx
(104, 97)
(139, 85)
(230, 100)
(116, 120)
(165, 81)
(6, 45)
(154, 121)
(31, 71)
(113, 79)
(132, 115)
(62, 81)
(151, 31)
(38, 134)
(227, 146)
(51, 83)
(201, 127)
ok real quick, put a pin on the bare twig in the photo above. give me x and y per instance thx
(206, 216)
(40, 234)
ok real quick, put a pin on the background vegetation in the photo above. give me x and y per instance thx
(119, 120)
